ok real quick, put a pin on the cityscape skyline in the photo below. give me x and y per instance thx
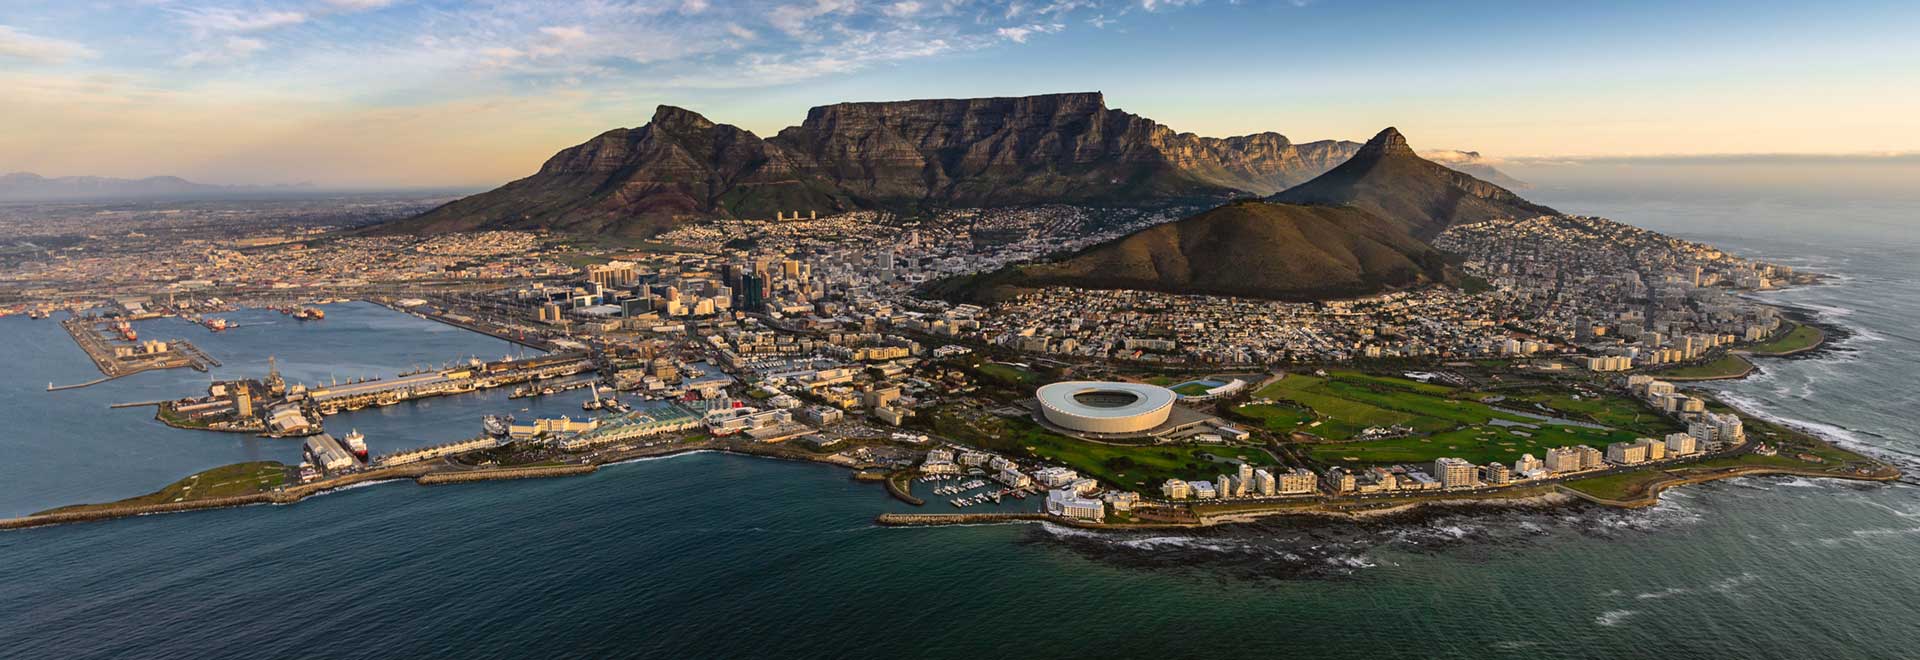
(396, 93)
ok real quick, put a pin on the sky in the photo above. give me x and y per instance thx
(414, 93)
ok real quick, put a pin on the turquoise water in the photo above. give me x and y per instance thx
(713, 555)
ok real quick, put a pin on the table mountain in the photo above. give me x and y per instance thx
(1246, 248)
(904, 155)
(1386, 178)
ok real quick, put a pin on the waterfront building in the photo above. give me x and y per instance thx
(1590, 458)
(1681, 444)
(1264, 482)
(1562, 460)
(1454, 472)
(1176, 489)
(326, 453)
(1498, 474)
(1055, 477)
(1298, 481)
(1526, 464)
(1203, 490)
(1068, 504)
(1626, 453)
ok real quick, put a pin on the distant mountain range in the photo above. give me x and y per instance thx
(29, 187)
(905, 155)
(1359, 228)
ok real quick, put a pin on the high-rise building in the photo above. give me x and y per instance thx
(1682, 444)
(1561, 460)
(1454, 472)
(753, 292)
(1264, 483)
(1590, 458)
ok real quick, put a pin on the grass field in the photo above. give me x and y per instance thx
(1277, 417)
(1800, 338)
(1191, 389)
(1008, 374)
(1447, 421)
(1726, 366)
(223, 481)
(1133, 467)
(1615, 411)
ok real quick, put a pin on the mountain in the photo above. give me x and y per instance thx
(1245, 248)
(636, 182)
(901, 155)
(1471, 162)
(1386, 178)
(29, 187)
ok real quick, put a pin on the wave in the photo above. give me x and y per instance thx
(1612, 618)
(662, 457)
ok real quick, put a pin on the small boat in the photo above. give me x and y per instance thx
(494, 425)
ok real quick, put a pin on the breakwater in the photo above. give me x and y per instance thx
(506, 473)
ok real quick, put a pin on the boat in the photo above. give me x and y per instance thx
(216, 324)
(494, 425)
(356, 443)
(310, 314)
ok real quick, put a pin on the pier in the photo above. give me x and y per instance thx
(113, 361)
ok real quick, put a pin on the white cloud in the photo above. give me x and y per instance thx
(740, 32)
(206, 21)
(360, 5)
(693, 6)
(1019, 34)
(225, 51)
(565, 33)
(15, 44)
(795, 19)
(1157, 5)
(902, 9)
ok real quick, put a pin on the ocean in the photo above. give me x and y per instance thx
(716, 555)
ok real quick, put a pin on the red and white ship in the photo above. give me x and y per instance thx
(357, 444)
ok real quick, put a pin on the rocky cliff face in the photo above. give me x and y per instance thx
(1055, 148)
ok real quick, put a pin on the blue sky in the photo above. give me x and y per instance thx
(425, 92)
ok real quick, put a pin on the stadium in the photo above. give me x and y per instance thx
(1106, 408)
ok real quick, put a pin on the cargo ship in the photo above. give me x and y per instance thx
(310, 314)
(126, 331)
(217, 324)
(357, 444)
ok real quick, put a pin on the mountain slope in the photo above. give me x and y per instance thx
(636, 182)
(1246, 248)
(1386, 178)
(903, 155)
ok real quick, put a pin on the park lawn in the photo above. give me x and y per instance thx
(1393, 382)
(1800, 338)
(1280, 418)
(1131, 467)
(1726, 366)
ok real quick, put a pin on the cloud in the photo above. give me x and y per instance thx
(693, 6)
(1157, 5)
(360, 5)
(225, 51)
(740, 32)
(208, 21)
(15, 44)
(902, 9)
(1020, 34)
(795, 19)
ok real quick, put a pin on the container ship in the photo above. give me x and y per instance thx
(126, 331)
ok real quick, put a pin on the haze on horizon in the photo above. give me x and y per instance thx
(402, 93)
